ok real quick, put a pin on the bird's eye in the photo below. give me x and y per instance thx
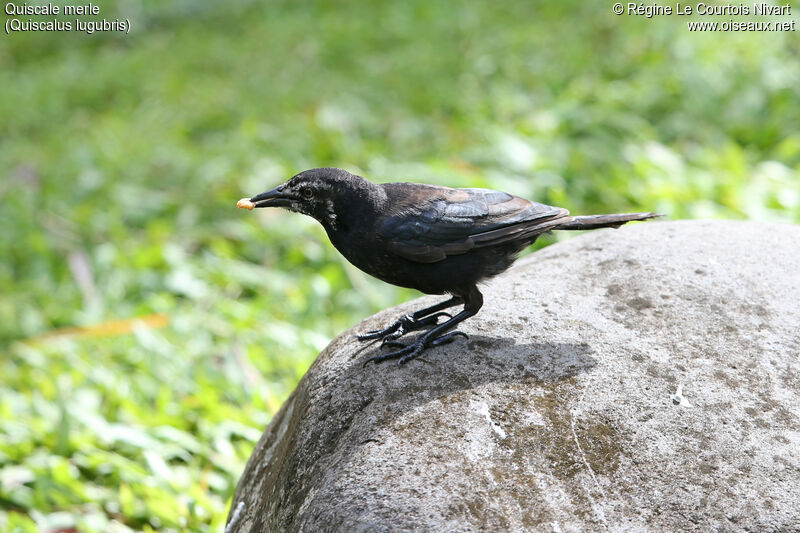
(306, 192)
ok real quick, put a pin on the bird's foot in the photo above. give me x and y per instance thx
(407, 352)
(402, 326)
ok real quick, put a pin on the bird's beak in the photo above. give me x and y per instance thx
(271, 198)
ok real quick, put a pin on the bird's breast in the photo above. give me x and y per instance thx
(368, 252)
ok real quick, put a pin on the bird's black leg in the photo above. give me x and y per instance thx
(441, 334)
(412, 322)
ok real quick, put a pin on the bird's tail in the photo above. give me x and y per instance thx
(604, 221)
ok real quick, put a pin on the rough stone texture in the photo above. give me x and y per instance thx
(560, 412)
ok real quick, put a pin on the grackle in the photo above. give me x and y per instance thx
(434, 239)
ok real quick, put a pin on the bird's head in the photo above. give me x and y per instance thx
(318, 193)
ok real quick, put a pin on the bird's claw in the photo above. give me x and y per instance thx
(447, 338)
(403, 353)
(385, 332)
(407, 352)
(402, 326)
(392, 341)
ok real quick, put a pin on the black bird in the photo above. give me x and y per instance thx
(434, 239)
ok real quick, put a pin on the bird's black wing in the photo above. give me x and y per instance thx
(428, 223)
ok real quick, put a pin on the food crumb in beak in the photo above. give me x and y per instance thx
(245, 203)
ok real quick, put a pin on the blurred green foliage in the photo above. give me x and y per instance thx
(122, 158)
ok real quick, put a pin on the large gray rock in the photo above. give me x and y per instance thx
(641, 379)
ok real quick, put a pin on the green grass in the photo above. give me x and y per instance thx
(122, 158)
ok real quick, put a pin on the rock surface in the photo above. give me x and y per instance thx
(640, 379)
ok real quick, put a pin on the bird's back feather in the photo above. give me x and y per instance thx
(426, 223)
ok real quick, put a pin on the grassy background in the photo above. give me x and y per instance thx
(148, 329)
